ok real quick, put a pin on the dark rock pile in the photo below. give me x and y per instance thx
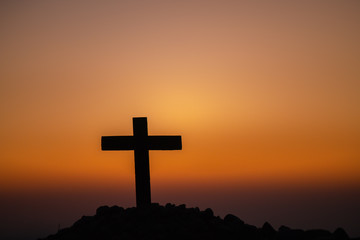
(178, 222)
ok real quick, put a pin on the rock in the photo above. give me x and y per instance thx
(169, 205)
(103, 210)
(208, 213)
(291, 234)
(340, 234)
(116, 209)
(283, 228)
(268, 231)
(318, 234)
(178, 223)
(233, 220)
(182, 206)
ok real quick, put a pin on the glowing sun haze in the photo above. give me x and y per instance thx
(264, 94)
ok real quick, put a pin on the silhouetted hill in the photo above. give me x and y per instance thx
(178, 222)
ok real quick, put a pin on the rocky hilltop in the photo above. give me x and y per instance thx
(179, 222)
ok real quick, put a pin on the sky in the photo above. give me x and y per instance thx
(265, 95)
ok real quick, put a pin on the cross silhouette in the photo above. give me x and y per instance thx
(141, 143)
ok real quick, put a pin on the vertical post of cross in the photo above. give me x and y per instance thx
(141, 154)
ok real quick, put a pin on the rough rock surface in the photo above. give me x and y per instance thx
(178, 222)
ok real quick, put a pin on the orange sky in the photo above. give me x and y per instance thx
(262, 93)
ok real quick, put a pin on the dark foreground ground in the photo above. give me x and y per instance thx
(179, 222)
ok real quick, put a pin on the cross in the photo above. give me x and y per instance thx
(141, 143)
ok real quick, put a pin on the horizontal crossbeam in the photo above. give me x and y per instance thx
(117, 143)
(110, 143)
(164, 142)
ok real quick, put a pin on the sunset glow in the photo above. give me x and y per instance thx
(265, 96)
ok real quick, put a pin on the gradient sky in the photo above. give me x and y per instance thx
(266, 96)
